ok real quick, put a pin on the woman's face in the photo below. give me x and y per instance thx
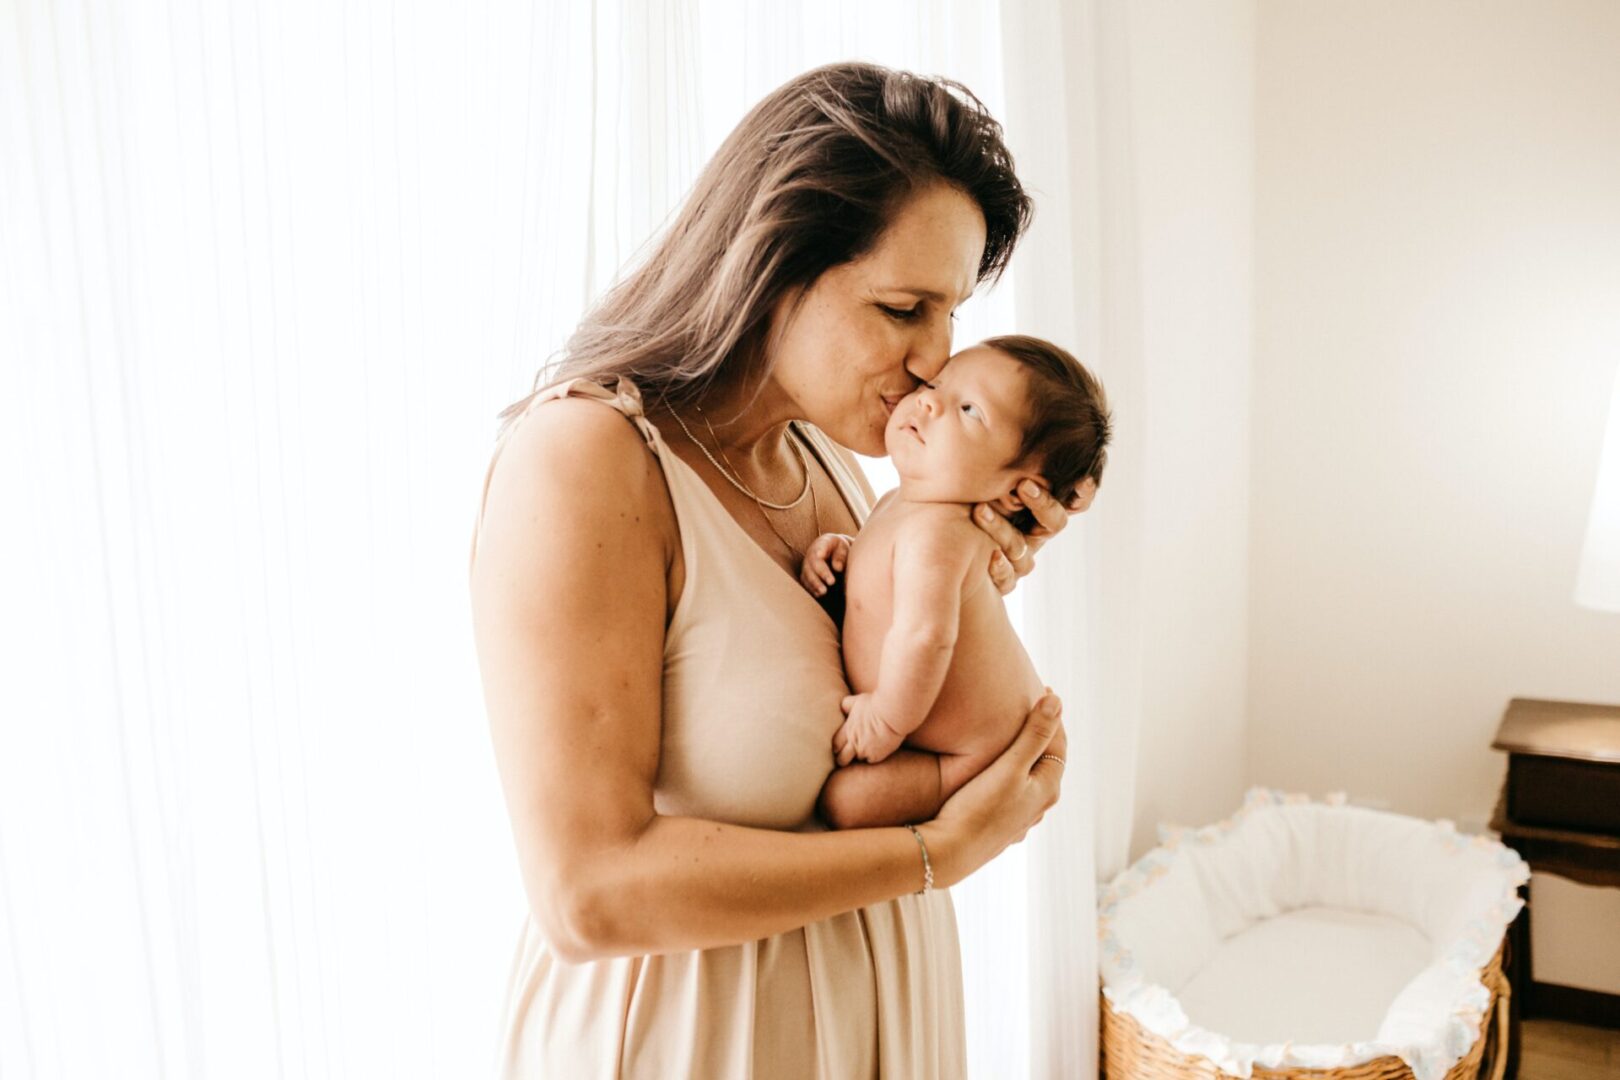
(867, 331)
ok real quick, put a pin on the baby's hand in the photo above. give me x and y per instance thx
(823, 561)
(864, 735)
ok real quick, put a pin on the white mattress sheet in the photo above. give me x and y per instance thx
(1313, 975)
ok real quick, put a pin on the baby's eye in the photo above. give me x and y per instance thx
(973, 411)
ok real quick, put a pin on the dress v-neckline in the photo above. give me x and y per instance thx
(745, 536)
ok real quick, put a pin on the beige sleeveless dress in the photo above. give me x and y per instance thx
(752, 683)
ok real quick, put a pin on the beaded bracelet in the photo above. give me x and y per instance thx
(928, 867)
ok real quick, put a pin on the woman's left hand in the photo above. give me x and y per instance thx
(1016, 554)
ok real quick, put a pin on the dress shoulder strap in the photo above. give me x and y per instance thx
(625, 397)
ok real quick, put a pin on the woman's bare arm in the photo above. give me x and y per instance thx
(569, 610)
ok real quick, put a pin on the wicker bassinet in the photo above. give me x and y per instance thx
(1465, 888)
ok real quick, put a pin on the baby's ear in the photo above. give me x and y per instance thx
(1009, 502)
(1008, 505)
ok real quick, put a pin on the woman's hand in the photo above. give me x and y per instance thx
(1001, 804)
(1016, 554)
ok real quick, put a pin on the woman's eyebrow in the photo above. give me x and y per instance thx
(921, 294)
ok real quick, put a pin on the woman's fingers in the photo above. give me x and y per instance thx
(1046, 724)
(1002, 574)
(1016, 555)
(1050, 515)
(1002, 531)
(1043, 725)
(1059, 746)
(1080, 502)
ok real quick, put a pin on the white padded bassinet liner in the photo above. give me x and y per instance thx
(1310, 935)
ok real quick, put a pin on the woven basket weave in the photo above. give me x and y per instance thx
(1131, 1052)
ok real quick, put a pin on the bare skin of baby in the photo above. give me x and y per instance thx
(941, 682)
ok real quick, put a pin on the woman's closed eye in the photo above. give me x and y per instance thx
(906, 314)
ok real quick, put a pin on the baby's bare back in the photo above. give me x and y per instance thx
(991, 684)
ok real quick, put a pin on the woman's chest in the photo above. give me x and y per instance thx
(750, 705)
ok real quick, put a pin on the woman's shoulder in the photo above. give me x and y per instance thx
(567, 463)
(583, 441)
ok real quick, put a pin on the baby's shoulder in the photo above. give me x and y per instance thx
(936, 526)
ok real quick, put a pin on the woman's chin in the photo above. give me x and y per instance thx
(866, 441)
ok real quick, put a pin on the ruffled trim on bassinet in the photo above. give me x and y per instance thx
(1158, 1010)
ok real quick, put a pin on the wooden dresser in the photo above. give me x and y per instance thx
(1560, 810)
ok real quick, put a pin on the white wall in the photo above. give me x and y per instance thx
(1192, 124)
(1437, 323)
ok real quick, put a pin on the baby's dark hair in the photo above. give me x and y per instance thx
(1068, 426)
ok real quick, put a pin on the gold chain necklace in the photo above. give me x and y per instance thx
(809, 487)
(733, 480)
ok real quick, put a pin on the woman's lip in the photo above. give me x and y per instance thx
(890, 402)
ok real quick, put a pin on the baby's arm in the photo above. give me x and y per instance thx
(932, 558)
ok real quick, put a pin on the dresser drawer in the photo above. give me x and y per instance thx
(1562, 794)
(1563, 765)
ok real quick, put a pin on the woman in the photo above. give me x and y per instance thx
(662, 693)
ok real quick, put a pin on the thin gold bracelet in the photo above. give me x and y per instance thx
(928, 867)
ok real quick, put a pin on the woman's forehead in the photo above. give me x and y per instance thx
(932, 245)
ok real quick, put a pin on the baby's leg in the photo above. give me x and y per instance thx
(907, 787)
(902, 789)
(957, 769)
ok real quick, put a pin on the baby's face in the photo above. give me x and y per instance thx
(954, 439)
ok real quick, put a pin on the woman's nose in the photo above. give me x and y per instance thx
(931, 349)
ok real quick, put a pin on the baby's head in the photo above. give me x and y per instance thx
(1006, 409)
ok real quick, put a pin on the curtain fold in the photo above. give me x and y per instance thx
(267, 273)
(1069, 122)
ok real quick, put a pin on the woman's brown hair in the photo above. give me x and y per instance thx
(807, 181)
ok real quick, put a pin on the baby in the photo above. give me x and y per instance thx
(928, 649)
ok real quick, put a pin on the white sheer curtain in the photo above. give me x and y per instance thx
(1068, 119)
(267, 271)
